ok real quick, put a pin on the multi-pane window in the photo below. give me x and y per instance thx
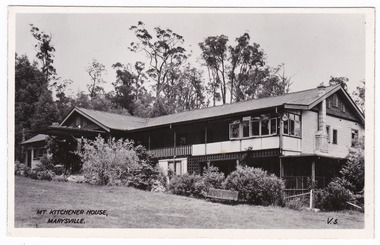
(335, 136)
(354, 137)
(292, 126)
(253, 127)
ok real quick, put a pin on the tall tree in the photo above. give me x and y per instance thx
(246, 60)
(128, 85)
(95, 71)
(214, 53)
(45, 52)
(163, 50)
(29, 85)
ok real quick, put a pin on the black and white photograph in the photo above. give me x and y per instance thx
(248, 120)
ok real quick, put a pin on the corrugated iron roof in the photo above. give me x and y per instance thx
(38, 137)
(115, 121)
(305, 97)
(123, 122)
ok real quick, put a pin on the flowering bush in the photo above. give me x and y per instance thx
(108, 162)
(256, 186)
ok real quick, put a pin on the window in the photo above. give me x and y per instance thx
(175, 167)
(292, 126)
(255, 129)
(265, 127)
(335, 100)
(328, 134)
(38, 153)
(297, 125)
(273, 125)
(354, 137)
(286, 127)
(246, 122)
(343, 108)
(328, 103)
(235, 130)
(253, 126)
(335, 136)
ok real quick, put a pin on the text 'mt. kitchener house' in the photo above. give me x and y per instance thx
(301, 136)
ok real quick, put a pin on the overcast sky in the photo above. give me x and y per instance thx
(313, 47)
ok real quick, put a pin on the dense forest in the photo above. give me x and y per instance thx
(230, 71)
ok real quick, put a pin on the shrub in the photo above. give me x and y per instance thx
(108, 162)
(256, 186)
(45, 175)
(185, 185)
(144, 177)
(60, 178)
(22, 169)
(211, 178)
(333, 197)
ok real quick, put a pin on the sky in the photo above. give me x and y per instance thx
(313, 47)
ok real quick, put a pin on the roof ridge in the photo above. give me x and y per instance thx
(109, 112)
(240, 102)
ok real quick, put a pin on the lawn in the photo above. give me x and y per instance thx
(132, 208)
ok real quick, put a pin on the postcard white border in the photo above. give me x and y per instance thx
(367, 232)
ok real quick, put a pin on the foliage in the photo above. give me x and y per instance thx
(211, 178)
(144, 177)
(256, 186)
(185, 185)
(95, 70)
(214, 53)
(163, 50)
(63, 150)
(342, 81)
(29, 84)
(359, 96)
(46, 111)
(128, 85)
(22, 169)
(334, 197)
(45, 52)
(108, 162)
(352, 173)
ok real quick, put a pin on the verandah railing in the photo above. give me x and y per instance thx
(302, 183)
(182, 150)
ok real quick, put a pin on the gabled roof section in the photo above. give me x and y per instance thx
(108, 120)
(37, 138)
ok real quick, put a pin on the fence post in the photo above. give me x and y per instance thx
(311, 198)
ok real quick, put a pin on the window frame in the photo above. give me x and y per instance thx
(328, 129)
(237, 122)
(335, 136)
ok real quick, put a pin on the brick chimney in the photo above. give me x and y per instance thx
(321, 144)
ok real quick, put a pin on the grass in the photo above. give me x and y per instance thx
(132, 208)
